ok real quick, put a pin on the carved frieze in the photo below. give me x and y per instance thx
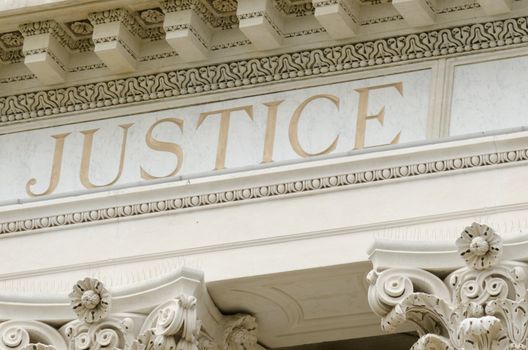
(152, 16)
(12, 39)
(265, 70)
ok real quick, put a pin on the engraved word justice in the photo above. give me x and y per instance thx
(221, 128)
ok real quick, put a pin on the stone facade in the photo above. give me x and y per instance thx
(225, 174)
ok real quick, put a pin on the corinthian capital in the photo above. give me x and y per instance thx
(480, 306)
(177, 314)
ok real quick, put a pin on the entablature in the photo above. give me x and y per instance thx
(137, 35)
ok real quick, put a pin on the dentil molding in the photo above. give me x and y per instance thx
(264, 70)
(481, 306)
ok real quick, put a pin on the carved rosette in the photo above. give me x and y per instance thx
(152, 16)
(90, 300)
(479, 246)
(481, 306)
(172, 325)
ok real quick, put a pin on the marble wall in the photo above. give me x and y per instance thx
(489, 96)
(331, 115)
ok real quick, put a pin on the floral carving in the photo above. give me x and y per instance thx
(173, 325)
(90, 300)
(480, 247)
(81, 28)
(205, 10)
(56, 30)
(13, 39)
(224, 5)
(482, 333)
(152, 16)
(262, 70)
(295, 8)
(486, 305)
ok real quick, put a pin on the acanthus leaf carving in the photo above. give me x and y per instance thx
(173, 325)
(112, 333)
(240, 332)
(485, 306)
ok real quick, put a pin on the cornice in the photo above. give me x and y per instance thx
(277, 68)
(314, 184)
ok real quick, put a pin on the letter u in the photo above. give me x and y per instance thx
(87, 156)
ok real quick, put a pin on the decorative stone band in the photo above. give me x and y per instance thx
(115, 15)
(230, 45)
(264, 70)
(18, 78)
(382, 20)
(297, 9)
(345, 7)
(129, 21)
(305, 32)
(268, 191)
(225, 20)
(52, 27)
(458, 8)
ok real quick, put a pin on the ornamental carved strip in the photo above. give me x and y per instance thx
(267, 191)
(264, 70)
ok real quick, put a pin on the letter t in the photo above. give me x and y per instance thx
(225, 116)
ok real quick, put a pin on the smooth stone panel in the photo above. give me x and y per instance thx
(490, 96)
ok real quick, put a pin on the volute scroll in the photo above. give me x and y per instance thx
(483, 305)
(188, 321)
